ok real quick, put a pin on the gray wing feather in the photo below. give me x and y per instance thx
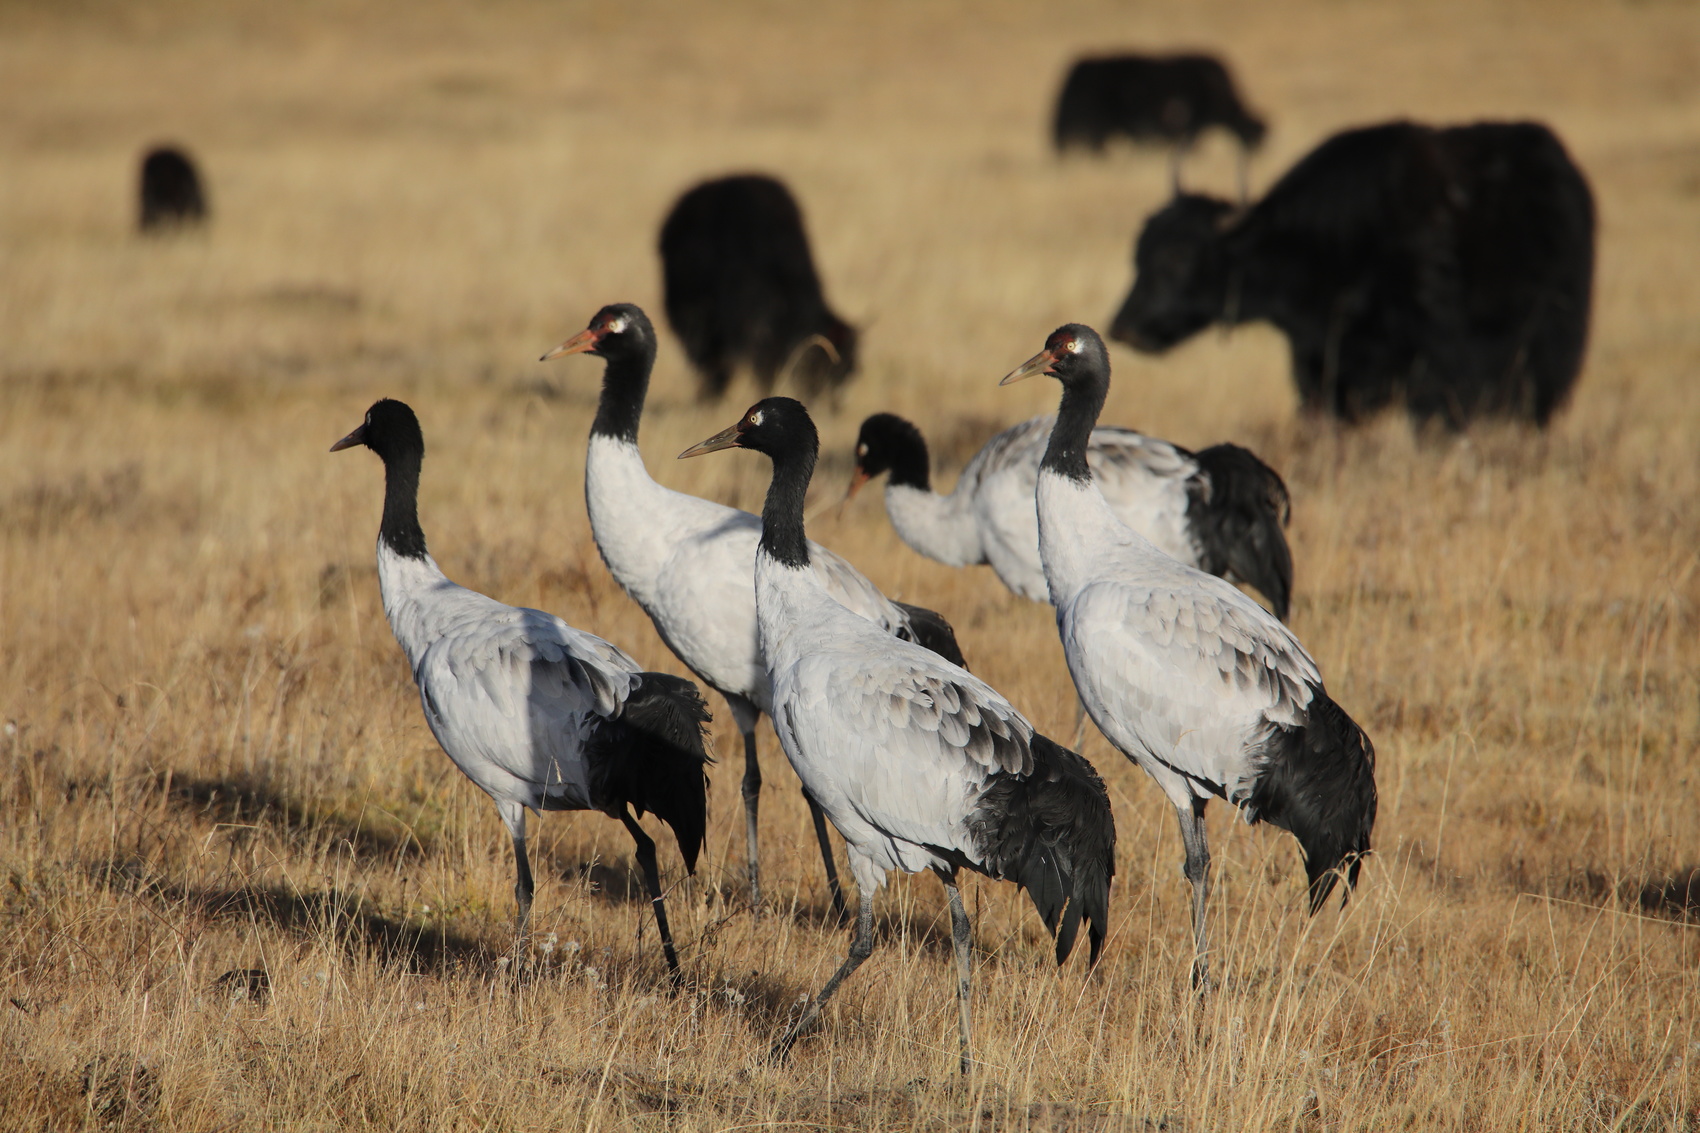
(1121, 454)
(1017, 446)
(905, 743)
(1198, 637)
(924, 709)
(514, 690)
(1114, 453)
(852, 590)
(1188, 675)
(980, 729)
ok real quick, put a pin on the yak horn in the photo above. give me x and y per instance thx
(802, 348)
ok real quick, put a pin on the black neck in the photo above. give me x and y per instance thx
(1082, 401)
(909, 465)
(400, 527)
(625, 383)
(782, 515)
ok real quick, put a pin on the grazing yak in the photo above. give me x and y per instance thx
(1163, 98)
(740, 287)
(170, 194)
(1451, 269)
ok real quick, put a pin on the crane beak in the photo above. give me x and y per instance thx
(358, 437)
(725, 438)
(1040, 363)
(834, 512)
(581, 343)
(857, 479)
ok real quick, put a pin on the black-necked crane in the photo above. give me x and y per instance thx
(690, 562)
(1184, 673)
(1220, 509)
(539, 715)
(917, 762)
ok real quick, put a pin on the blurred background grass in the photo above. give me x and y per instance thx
(213, 759)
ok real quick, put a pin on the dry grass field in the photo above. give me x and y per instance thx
(213, 763)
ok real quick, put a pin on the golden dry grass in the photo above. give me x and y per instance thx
(213, 760)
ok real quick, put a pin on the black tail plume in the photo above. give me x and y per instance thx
(1052, 833)
(652, 756)
(1238, 514)
(1318, 783)
(928, 629)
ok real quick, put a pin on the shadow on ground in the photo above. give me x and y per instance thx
(1674, 895)
(245, 800)
(346, 918)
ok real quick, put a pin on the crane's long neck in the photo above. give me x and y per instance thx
(782, 534)
(408, 577)
(909, 464)
(625, 384)
(399, 529)
(637, 523)
(940, 527)
(1082, 401)
(1077, 529)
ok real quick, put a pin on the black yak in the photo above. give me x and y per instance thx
(1162, 98)
(170, 193)
(740, 287)
(1448, 268)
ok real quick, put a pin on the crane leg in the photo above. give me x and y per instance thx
(1197, 870)
(961, 937)
(861, 947)
(523, 889)
(652, 880)
(839, 908)
(752, 803)
(1079, 721)
(513, 817)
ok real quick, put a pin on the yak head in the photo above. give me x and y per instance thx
(1180, 283)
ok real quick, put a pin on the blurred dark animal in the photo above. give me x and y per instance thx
(1165, 98)
(1448, 268)
(171, 193)
(740, 287)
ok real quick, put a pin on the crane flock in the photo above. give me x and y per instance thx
(690, 562)
(920, 765)
(1221, 510)
(1183, 673)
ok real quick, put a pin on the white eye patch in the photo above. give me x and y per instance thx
(862, 450)
(755, 418)
(617, 326)
(1074, 346)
